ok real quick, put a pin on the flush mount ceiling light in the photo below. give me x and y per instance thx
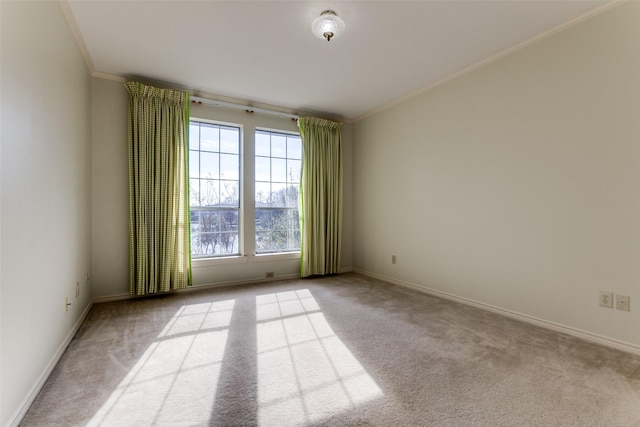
(327, 25)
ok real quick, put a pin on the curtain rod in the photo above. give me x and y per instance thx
(247, 108)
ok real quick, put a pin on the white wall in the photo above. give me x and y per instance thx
(45, 183)
(109, 189)
(518, 184)
(110, 195)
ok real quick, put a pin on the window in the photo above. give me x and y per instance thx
(218, 171)
(214, 171)
(278, 163)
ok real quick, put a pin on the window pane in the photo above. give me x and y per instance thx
(278, 145)
(263, 241)
(278, 195)
(230, 193)
(194, 136)
(263, 144)
(227, 240)
(229, 166)
(263, 169)
(279, 240)
(194, 164)
(263, 219)
(228, 243)
(209, 137)
(194, 192)
(278, 170)
(196, 248)
(280, 219)
(263, 193)
(293, 191)
(294, 169)
(277, 230)
(209, 165)
(195, 222)
(294, 147)
(295, 220)
(294, 240)
(280, 226)
(229, 221)
(207, 243)
(209, 192)
(209, 221)
(229, 140)
(214, 232)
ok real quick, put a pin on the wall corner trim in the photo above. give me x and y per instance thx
(568, 330)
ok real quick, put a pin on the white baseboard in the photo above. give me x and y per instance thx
(17, 417)
(578, 333)
(240, 282)
(121, 297)
(24, 406)
(109, 298)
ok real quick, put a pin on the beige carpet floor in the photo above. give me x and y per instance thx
(338, 351)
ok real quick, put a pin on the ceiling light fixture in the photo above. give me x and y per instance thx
(327, 25)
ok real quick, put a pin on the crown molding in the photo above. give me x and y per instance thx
(107, 76)
(73, 26)
(493, 58)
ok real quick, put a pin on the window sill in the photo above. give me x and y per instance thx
(210, 262)
(276, 256)
(244, 259)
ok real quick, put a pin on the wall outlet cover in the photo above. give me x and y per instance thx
(606, 299)
(623, 302)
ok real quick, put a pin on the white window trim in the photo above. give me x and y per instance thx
(276, 256)
(243, 258)
(227, 259)
(221, 260)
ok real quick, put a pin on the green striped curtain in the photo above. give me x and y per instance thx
(321, 196)
(159, 235)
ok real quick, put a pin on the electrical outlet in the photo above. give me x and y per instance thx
(66, 304)
(393, 259)
(269, 275)
(77, 289)
(623, 303)
(606, 299)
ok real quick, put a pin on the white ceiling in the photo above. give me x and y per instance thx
(264, 51)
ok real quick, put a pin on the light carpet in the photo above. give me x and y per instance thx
(338, 351)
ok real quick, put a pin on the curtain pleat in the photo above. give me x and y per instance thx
(159, 234)
(321, 197)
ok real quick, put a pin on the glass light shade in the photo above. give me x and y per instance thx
(328, 25)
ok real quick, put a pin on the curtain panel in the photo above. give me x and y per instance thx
(159, 233)
(320, 197)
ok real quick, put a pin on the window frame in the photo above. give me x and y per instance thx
(248, 125)
(239, 209)
(275, 208)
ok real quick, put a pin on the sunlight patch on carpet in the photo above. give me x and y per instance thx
(174, 381)
(305, 372)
